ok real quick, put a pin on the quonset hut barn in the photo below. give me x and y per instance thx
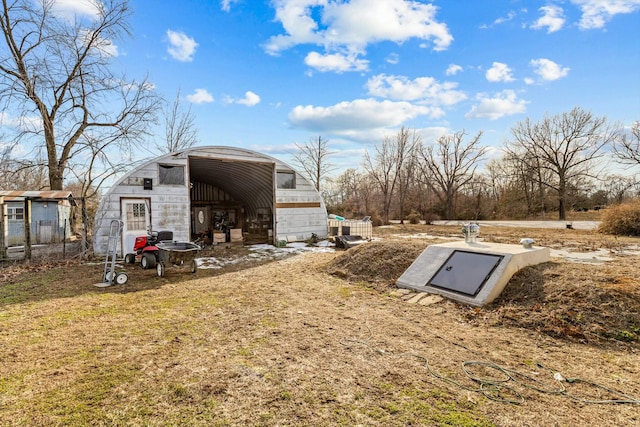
(212, 191)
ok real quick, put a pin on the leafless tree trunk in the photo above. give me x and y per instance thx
(564, 145)
(407, 175)
(450, 165)
(313, 158)
(59, 68)
(390, 157)
(179, 127)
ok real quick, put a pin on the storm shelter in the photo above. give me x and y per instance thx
(471, 273)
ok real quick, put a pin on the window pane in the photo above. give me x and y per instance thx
(286, 180)
(171, 175)
(136, 216)
(15, 214)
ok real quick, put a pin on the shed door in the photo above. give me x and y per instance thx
(136, 217)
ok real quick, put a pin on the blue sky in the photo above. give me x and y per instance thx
(264, 75)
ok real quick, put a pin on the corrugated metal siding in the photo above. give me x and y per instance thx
(241, 175)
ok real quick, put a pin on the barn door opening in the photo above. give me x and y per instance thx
(136, 218)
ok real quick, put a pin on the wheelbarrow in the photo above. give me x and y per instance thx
(177, 254)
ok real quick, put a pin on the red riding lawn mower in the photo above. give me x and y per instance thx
(145, 249)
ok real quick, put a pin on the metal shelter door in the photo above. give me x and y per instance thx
(201, 223)
(136, 217)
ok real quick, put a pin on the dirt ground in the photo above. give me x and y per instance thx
(323, 339)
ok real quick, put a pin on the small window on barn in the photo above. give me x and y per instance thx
(15, 214)
(171, 175)
(286, 180)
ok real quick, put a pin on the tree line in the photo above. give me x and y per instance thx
(70, 112)
(562, 162)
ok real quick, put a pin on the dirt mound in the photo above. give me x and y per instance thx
(591, 304)
(585, 303)
(377, 263)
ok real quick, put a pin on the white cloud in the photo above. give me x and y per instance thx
(499, 72)
(501, 20)
(336, 62)
(502, 104)
(596, 13)
(71, 8)
(552, 18)
(105, 47)
(200, 96)
(226, 4)
(360, 114)
(548, 70)
(181, 46)
(393, 58)
(425, 90)
(23, 123)
(250, 99)
(453, 69)
(353, 25)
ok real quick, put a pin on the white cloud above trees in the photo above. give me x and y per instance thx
(335, 62)
(200, 96)
(453, 69)
(502, 104)
(250, 99)
(547, 70)
(345, 29)
(552, 19)
(181, 47)
(358, 114)
(499, 72)
(596, 13)
(424, 90)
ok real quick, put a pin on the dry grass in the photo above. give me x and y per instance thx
(289, 343)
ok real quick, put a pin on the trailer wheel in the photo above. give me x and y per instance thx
(160, 269)
(194, 266)
(130, 258)
(148, 260)
(121, 278)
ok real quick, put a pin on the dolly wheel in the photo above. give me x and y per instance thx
(160, 269)
(121, 278)
(194, 266)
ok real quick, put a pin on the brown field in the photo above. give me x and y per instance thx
(322, 339)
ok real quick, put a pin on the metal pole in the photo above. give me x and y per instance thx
(64, 239)
(27, 228)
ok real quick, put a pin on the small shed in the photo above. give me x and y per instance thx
(226, 194)
(50, 213)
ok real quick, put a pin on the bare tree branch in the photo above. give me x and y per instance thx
(60, 70)
(627, 146)
(566, 145)
(313, 159)
(450, 165)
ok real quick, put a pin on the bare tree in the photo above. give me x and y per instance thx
(179, 127)
(627, 146)
(565, 145)
(407, 175)
(21, 174)
(386, 169)
(312, 158)
(58, 68)
(449, 165)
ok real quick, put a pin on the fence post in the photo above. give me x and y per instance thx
(3, 229)
(27, 228)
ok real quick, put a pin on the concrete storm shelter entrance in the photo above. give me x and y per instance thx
(471, 273)
(214, 192)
